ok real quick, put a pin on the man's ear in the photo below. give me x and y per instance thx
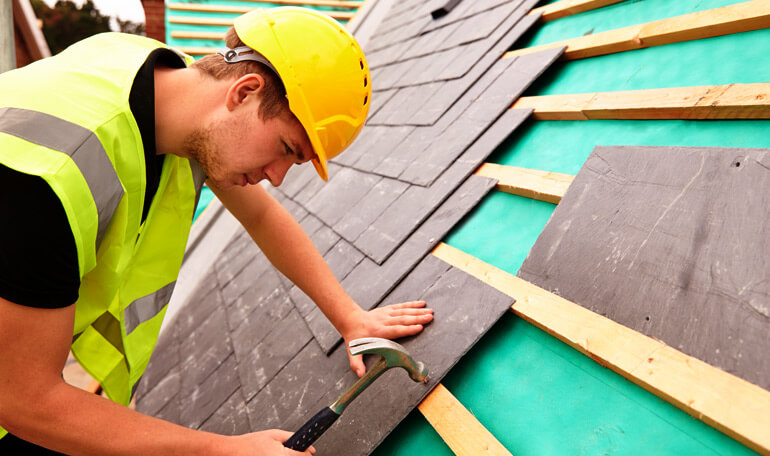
(244, 90)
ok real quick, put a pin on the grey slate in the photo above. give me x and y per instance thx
(199, 401)
(333, 200)
(231, 418)
(467, 308)
(668, 244)
(368, 283)
(387, 232)
(258, 366)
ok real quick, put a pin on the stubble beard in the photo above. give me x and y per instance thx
(199, 146)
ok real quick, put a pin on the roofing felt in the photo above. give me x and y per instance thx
(668, 246)
(249, 350)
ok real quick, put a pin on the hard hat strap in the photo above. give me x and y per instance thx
(245, 53)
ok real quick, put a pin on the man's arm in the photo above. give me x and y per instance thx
(291, 251)
(38, 406)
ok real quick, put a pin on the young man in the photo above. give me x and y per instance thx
(103, 150)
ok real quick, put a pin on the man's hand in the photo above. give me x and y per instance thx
(389, 322)
(267, 443)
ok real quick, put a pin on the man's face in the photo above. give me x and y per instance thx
(244, 149)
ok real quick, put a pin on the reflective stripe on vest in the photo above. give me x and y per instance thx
(80, 144)
(143, 309)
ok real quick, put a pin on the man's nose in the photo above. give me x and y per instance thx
(277, 171)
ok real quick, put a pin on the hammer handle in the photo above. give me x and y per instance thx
(311, 430)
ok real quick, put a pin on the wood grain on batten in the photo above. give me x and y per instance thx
(737, 18)
(733, 101)
(530, 183)
(557, 10)
(464, 434)
(723, 401)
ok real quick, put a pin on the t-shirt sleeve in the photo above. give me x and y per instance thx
(38, 256)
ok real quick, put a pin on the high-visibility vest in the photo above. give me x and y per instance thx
(67, 119)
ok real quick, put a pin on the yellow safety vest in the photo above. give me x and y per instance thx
(67, 120)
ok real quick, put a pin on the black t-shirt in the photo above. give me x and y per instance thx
(38, 257)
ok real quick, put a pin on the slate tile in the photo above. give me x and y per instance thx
(399, 158)
(463, 59)
(389, 77)
(297, 178)
(494, 136)
(272, 353)
(399, 220)
(369, 282)
(301, 301)
(343, 190)
(390, 54)
(245, 278)
(429, 43)
(465, 308)
(324, 333)
(315, 185)
(285, 401)
(164, 358)
(234, 258)
(160, 395)
(417, 282)
(200, 402)
(203, 350)
(171, 412)
(368, 208)
(324, 238)
(426, 92)
(379, 97)
(267, 284)
(431, 163)
(389, 143)
(342, 258)
(269, 311)
(359, 147)
(197, 311)
(231, 418)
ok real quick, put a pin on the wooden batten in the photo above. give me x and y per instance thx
(565, 8)
(733, 101)
(195, 51)
(246, 8)
(740, 17)
(724, 401)
(464, 434)
(185, 35)
(530, 183)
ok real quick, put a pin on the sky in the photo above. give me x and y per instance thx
(124, 9)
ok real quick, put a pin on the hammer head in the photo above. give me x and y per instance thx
(394, 355)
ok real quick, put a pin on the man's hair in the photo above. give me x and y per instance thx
(273, 102)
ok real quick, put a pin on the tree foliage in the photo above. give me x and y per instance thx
(66, 22)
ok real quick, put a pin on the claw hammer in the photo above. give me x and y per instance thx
(392, 355)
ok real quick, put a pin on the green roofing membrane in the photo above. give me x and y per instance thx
(537, 395)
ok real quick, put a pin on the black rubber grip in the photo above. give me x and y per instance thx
(313, 429)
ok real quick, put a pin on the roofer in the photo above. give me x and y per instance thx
(103, 152)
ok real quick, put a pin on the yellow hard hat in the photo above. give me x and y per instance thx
(324, 71)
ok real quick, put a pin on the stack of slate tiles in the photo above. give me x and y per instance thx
(250, 351)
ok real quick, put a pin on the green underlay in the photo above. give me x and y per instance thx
(537, 395)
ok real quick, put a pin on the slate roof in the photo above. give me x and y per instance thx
(249, 351)
(674, 254)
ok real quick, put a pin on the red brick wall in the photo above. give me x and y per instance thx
(22, 53)
(155, 19)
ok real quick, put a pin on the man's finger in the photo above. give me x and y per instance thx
(409, 304)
